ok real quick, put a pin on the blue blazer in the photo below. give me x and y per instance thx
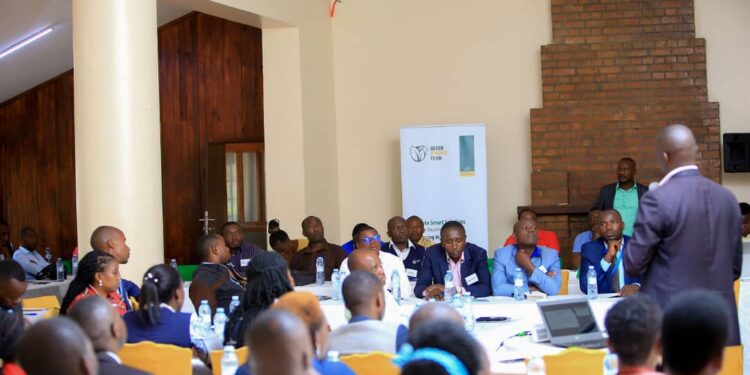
(413, 261)
(504, 271)
(435, 266)
(173, 328)
(591, 255)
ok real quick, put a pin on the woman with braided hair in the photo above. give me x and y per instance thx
(98, 275)
(268, 278)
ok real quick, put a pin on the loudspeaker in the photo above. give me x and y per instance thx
(736, 152)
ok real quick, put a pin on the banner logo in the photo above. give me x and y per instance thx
(418, 153)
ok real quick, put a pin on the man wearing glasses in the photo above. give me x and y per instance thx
(368, 239)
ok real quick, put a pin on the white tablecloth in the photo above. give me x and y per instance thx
(52, 288)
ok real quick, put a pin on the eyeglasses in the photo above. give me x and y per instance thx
(369, 240)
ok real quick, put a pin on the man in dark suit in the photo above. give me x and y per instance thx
(213, 281)
(467, 261)
(106, 330)
(401, 246)
(623, 195)
(605, 255)
(687, 235)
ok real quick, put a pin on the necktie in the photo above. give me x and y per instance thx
(616, 276)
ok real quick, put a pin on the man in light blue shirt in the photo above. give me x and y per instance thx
(540, 265)
(27, 256)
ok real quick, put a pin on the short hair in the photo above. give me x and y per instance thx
(633, 325)
(25, 231)
(525, 210)
(277, 237)
(359, 288)
(229, 224)
(415, 217)
(452, 224)
(10, 269)
(358, 228)
(695, 329)
(629, 160)
(11, 329)
(745, 208)
(446, 336)
(612, 210)
(203, 246)
(53, 346)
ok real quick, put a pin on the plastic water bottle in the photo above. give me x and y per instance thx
(229, 361)
(60, 270)
(220, 321)
(468, 311)
(320, 276)
(396, 285)
(332, 356)
(48, 255)
(593, 289)
(336, 284)
(518, 285)
(611, 364)
(234, 304)
(173, 263)
(204, 313)
(535, 366)
(74, 264)
(450, 289)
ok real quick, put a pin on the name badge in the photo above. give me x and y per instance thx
(411, 272)
(244, 262)
(543, 268)
(471, 279)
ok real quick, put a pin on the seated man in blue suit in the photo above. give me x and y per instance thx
(540, 265)
(467, 261)
(402, 247)
(605, 254)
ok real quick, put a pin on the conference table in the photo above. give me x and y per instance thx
(48, 288)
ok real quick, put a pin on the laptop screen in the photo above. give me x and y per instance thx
(567, 319)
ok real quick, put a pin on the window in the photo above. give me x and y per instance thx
(245, 184)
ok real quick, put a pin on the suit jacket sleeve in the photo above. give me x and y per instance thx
(599, 202)
(649, 224)
(483, 287)
(548, 284)
(198, 291)
(424, 276)
(500, 286)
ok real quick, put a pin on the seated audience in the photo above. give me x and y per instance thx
(540, 265)
(416, 232)
(694, 332)
(434, 311)
(27, 255)
(401, 246)
(368, 239)
(304, 260)
(106, 330)
(592, 219)
(369, 261)
(98, 275)
(112, 241)
(605, 254)
(467, 261)
(305, 306)
(159, 318)
(57, 346)
(365, 299)
(349, 246)
(442, 348)
(546, 238)
(13, 285)
(623, 195)
(297, 244)
(11, 329)
(280, 243)
(212, 280)
(240, 249)
(745, 211)
(6, 247)
(279, 343)
(268, 278)
(633, 326)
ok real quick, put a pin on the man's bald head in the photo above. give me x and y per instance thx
(111, 240)
(676, 147)
(368, 261)
(279, 343)
(57, 346)
(434, 311)
(101, 323)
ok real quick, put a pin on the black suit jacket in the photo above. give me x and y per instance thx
(108, 365)
(606, 198)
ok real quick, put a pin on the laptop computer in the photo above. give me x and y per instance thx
(570, 322)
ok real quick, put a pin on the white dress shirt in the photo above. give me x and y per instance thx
(31, 261)
(676, 171)
(390, 263)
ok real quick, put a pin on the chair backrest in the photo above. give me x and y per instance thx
(158, 359)
(564, 280)
(732, 363)
(575, 361)
(737, 292)
(186, 271)
(375, 363)
(216, 359)
(44, 302)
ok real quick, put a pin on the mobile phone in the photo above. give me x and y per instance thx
(485, 319)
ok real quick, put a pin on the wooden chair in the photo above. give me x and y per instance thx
(575, 361)
(216, 359)
(44, 302)
(158, 359)
(732, 363)
(375, 363)
(564, 280)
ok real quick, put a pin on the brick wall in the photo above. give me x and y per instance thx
(617, 71)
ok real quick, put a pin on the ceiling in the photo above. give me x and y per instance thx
(52, 54)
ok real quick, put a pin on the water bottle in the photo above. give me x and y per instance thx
(449, 288)
(74, 264)
(220, 321)
(333, 356)
(173, 263)
(518, 285)
(611, 364)
(234, 304)
(396, 285)
(60, 270)
(2, 257)
(593, 289)
(336, 284)
(535, 366)
(48, 255)
(320, 276)
(204, 312)
(469, 311)
(229, 361)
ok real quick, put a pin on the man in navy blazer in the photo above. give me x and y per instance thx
(605, 255)
(467, 261)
